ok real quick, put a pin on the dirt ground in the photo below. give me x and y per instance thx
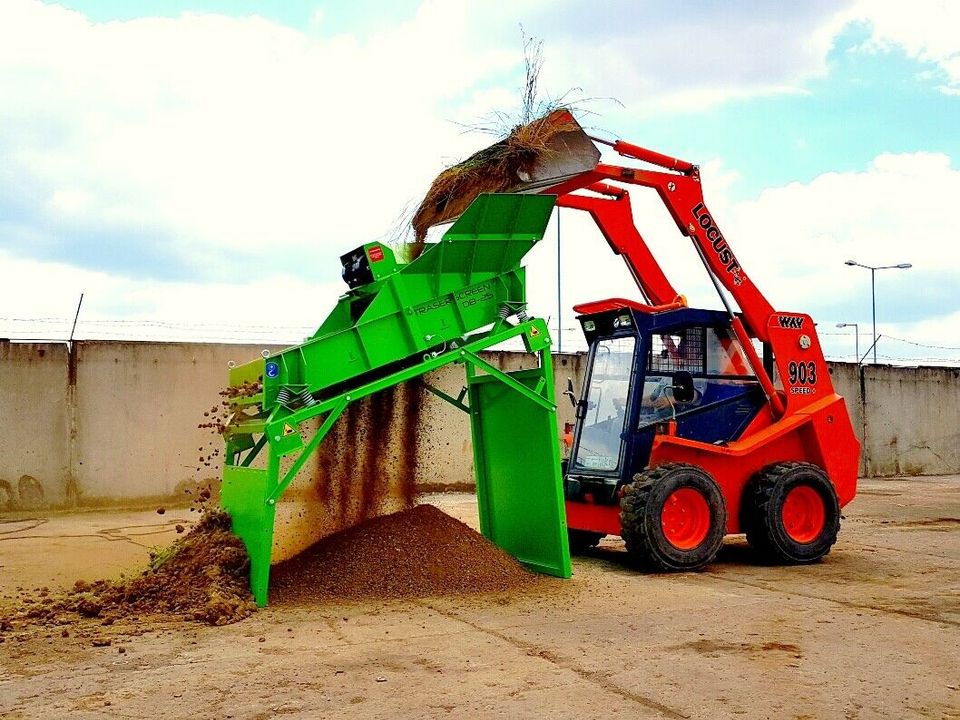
(873, 631)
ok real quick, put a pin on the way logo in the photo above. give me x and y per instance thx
(790, 321)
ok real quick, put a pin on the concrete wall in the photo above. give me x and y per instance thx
(138, 408)
(914, 420)
(907, 419)
(34, 426)
(115, 423)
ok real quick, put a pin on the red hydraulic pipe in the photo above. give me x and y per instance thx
(650, 156)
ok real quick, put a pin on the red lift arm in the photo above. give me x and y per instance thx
(681, 192)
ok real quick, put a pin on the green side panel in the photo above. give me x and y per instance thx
(517, 462)
(244, 496)
(250, 372)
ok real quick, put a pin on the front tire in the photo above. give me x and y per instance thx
(790, 513)
(673, 517)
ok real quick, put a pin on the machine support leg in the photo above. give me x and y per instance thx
(260, 558)
(244, 494)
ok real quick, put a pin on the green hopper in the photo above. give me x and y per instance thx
(399, 321)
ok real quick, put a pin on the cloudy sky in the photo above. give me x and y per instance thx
(196, 167)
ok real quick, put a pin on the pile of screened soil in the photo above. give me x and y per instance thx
(420, 552)
(202, 577)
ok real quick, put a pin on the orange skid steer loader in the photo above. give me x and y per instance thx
(684, 432)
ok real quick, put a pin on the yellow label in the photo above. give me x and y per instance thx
(533, 331)
(288, 429)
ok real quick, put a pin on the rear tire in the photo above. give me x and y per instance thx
(673, 517)
(790, 513)
(581, 540)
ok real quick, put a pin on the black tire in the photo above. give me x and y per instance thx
(642, 521)
(581, 540)
(762, 514)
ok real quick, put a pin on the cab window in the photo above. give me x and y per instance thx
(601, 432)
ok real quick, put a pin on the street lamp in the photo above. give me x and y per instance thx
(856, 337)
(873, 292)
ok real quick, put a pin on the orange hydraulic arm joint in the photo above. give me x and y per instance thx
(681, 192)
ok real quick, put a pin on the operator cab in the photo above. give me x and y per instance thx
(680, 371)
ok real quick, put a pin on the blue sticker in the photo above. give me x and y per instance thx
(273, 369)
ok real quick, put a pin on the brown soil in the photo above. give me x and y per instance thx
(420, 552)
(494, 169)
(201, 577)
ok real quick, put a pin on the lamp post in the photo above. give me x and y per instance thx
(873, 292)
(856, 337)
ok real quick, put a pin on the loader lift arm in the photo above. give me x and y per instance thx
(680, 190)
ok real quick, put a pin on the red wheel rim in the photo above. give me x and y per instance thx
(685, 518)
(803, 514)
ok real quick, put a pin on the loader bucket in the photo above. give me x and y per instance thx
(569, 152)
(533, 157)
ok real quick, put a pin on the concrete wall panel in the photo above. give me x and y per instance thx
(35, 427)
(139, 405)
(846, 381)
(914, 420)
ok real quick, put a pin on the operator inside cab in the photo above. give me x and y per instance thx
(668, 354)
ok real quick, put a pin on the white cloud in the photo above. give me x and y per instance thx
(221, 133)
(796, 238)
(886, 214)
(207, 145)
(659, 57)
(925, 29)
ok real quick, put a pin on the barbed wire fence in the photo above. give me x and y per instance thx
(890, 349)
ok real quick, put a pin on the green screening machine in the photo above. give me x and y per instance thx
(398, 321)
